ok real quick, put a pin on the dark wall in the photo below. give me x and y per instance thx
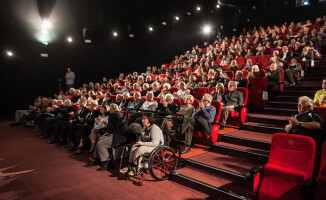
(27, 75)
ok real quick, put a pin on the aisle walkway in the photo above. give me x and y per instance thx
(32, 169)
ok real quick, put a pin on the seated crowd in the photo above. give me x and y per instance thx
(95, 110)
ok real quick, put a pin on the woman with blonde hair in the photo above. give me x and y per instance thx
(218, 93)
(192, 82)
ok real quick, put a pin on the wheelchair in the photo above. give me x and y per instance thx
(160, 163)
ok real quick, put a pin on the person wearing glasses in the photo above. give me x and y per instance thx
(232, 100)
(202, 118)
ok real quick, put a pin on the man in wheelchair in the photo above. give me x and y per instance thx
(151, 137)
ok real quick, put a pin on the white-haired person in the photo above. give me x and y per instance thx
(167, 105)
(165, 90)
(203, 116)
(232, 101)
(307, 122)
(183, 92)
(151, 137)
(126, 100)
(186, 110)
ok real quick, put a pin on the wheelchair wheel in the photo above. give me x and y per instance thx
(162, 162)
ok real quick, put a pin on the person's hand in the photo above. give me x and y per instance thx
(137, 144)
(164, 102)
(71, 113)
(97, 120)
(201, 105)
(293, 121)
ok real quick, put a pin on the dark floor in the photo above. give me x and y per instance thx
(32, 169)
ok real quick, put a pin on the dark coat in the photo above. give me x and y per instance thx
(118, 126)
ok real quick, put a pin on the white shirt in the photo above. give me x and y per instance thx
(182, 94)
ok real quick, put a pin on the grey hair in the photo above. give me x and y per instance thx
(114, 107)
(166, 85)
(209, 97)
(309, 103)
(233, 82)
(240, 72)
(127, 94)
(69, 102)
(169, 96)
(94, 103)
(255, 66)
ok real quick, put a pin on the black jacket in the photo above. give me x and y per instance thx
(90, 117)
(82, 113)
(118, 126)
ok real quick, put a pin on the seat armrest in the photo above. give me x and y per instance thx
(308, 188)
(254, 171)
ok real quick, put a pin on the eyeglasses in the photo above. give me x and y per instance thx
(205, 100)
(231, 85)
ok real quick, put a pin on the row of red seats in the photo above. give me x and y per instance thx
(289, 171)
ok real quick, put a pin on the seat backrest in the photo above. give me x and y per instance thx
(177, 101)
(244, 73)
(157, 99)
(282, 74)
(240, 60)
(244, 93)
(230, 74)
(256, 87)
(74, 107)
(218, 107)
(174, 89)
(293, 152)
(322, 169)
(218, 61)
(263, 58)
(191, 89)
(262, 72)
(200, 91)
(253, 59)
(153, 77)
(227, 80)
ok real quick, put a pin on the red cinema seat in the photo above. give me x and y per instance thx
(256, 88)
(253, 59)
(200, 91)
(188, 69)
(243, 112)
(263, 59)
(229, 73)
(321, 179)
(290, 163)
(174, 89)
(225, 67)
(227, 80)
(240, 62)
(282, 78)
(215, 126)
(244, 73)
(262, 72)
(157, 99)
(162, 75)
(153, 77)
(191, 90)
(218, 62)
(177, 101)
(74, 107)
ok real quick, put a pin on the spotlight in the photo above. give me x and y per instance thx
(44, 32)
(115, 34)
(198, 8)
(207, 29)
(150, 28)
(189, 13)
(131, 35)
(46, 24)
(164, 23)
(69, 39)
(177, 18)
(306, 3)
(218, 6)
(9, 53)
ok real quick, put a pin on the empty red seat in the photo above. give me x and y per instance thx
(215, 126)
(153, 77)
(321, 179)
(200, 91)
(263, 59)
(290, 163)
(253, 59)
(256, 88)
(240, 62)
(230, 74)
(244, 73)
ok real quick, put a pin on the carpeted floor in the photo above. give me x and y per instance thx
(32, 169)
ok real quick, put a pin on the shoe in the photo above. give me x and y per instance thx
(91, 164)
(79, 150)
(221, 128)
(69, 145)
(132, 172)
(53, 141)
(102, 168)
(61, 143)
(91, 152)
(72, 148)
(124, 170)
(186, 150)
(13, 124)
(44, 136)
